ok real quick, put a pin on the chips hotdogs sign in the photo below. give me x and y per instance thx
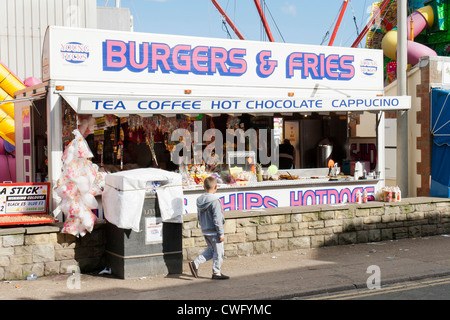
(23, 198)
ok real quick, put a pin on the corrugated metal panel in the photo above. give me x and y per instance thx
(23, 24)
(110, 18)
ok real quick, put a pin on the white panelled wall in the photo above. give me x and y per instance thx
(23, 24)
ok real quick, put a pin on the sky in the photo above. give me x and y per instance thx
(290, 21)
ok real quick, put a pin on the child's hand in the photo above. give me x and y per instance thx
(222, 239)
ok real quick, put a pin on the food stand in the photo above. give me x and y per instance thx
(134, 96)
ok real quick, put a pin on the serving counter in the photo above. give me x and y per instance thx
(310, 188)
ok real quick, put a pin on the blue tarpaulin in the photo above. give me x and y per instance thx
(440, 156)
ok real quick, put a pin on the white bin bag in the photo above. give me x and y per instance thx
(124, 194)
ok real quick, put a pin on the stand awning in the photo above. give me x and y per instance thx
(141, 104)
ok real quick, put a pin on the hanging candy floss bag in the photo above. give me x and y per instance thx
(77, 187)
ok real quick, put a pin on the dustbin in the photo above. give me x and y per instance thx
(143, 209)
(155, 250)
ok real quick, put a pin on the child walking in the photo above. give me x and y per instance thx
(211, 219)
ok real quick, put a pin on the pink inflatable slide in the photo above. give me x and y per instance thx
(422, 18)
(7, 162)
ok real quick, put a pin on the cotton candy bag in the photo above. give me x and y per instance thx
(77, 187)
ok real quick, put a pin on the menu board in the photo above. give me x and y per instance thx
(24, 198)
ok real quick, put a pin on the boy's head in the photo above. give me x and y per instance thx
(210, 184)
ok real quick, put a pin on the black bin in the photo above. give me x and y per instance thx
(133, 254)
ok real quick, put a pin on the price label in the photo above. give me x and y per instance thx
(23, 198)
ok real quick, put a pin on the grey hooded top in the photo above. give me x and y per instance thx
(210, 214)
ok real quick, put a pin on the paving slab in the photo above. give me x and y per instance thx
(278, 275)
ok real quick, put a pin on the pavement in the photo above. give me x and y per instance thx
(280, 275)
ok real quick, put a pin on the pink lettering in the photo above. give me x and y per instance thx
(311, 65)
(199, 57)
(265, 65)
(253, 200)
(294, 64)
(240, 201)
(115, 54)
(181, 57)
(333, 196)
(322, 65)
(322, 195)
(310, 62)
(270, 202)
(370, 189)
(332, 64)
(296, 201)
(160, 52)
(354, 192)
(160, 56)
(309, 194)
(231, 204)
(218, 56)
(345, 64)
(345, 195)
(238, 61)
(143, 56)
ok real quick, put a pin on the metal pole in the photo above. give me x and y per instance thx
(264, 21)
(338, 23)
(369, 24)
(402, 116)
(230, 23)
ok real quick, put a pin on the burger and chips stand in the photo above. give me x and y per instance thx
(96, 79)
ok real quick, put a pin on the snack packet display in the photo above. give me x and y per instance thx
(77, 187)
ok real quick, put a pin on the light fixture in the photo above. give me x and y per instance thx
(290, 94)
(187, 91)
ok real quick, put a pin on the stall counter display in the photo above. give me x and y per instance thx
(292, 188)
(194, 175)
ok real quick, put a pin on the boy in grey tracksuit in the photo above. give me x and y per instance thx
(211, 219)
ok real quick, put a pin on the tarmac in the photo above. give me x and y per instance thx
(279, 275)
